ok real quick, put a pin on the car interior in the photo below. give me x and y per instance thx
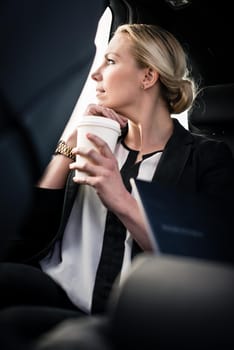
(47, 50)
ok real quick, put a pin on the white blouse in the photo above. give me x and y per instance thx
(83, 238)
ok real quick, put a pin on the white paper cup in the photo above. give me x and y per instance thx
(105, 128)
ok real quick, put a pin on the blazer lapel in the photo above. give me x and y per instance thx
(175, 155)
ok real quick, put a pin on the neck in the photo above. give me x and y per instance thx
(150, 130)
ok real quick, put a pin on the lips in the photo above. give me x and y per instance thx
(100, 91)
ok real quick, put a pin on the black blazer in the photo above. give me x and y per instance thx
(189, 162)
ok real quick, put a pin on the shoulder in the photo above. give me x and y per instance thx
(203, 144)
(215, 149)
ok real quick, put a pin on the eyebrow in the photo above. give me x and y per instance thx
(111, 53)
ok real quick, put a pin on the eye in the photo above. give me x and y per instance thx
(110, 61)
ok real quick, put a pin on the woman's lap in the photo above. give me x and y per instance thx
(27, 285)
(31, 304)
(21, 326)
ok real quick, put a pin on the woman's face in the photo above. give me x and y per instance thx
(118, 78)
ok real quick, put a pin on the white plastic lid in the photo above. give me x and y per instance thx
(99, 121)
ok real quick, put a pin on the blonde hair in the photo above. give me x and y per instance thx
(158, 49)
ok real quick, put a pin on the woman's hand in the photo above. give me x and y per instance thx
(70, 134)
(98, 110)
(103, 173)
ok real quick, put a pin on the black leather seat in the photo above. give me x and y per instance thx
(213, 113)
(175, 303)
(166, 302)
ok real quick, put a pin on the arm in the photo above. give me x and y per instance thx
(56, 173)
(131, 216)
(43, 221)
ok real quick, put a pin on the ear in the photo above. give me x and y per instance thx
(150, 77)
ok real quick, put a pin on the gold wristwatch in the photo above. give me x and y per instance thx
(65, 150)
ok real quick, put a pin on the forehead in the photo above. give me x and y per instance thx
(120, 44)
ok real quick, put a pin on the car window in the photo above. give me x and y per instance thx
(88, 94)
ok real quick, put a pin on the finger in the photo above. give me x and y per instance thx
(92, 155)
(101, 111)
(81, 180)
(111, 114)
(94, 109)
(87, 180)
(87, 167)
(80, 150)
(100, 144)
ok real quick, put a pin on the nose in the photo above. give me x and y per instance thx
(96, 75)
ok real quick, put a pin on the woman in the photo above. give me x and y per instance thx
(92, 239)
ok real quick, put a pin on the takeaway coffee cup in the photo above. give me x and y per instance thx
(105, 128)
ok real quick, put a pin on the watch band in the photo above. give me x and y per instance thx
(65, 150)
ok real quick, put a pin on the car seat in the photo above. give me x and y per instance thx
(165, 302)
(172, 302)
(213, 113)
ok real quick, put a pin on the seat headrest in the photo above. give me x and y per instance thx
(213, 105)
(213, 113)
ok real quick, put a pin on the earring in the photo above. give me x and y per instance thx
(143, 87)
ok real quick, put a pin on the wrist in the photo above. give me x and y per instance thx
(64, 149)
